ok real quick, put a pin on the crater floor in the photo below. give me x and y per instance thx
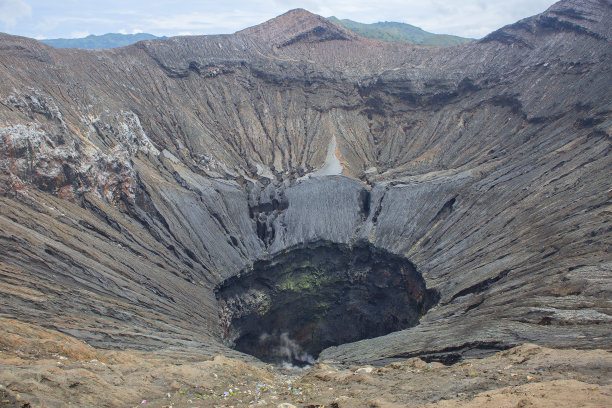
(305, 299)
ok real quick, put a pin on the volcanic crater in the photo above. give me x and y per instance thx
(367, 201)
(317, 296)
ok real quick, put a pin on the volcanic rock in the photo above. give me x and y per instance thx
(134, 181)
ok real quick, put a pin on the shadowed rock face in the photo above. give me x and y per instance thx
(134, 181)
(310, 298)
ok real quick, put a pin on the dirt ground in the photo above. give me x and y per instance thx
(44, 368)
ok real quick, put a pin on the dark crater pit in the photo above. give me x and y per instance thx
(305, 299)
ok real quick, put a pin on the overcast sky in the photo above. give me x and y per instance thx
(78, 18)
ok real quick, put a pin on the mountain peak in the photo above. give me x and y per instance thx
(298, 13)
(298, 26)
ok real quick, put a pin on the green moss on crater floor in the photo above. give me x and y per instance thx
(319, 296)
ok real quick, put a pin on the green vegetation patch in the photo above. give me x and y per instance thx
(401, 33)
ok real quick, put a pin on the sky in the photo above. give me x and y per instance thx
(78, 18)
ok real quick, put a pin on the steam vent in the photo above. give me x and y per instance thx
(295, 191)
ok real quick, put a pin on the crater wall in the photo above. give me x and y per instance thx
(133, 181)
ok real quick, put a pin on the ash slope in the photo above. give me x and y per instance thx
(136, 179)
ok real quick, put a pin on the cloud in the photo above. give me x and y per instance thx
(13, 10)
(64, 26)
(133, 31)
(469, 18)
(79, 34)
(196, 22)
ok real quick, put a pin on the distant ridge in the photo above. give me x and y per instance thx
(111, 40)
(400, 32)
